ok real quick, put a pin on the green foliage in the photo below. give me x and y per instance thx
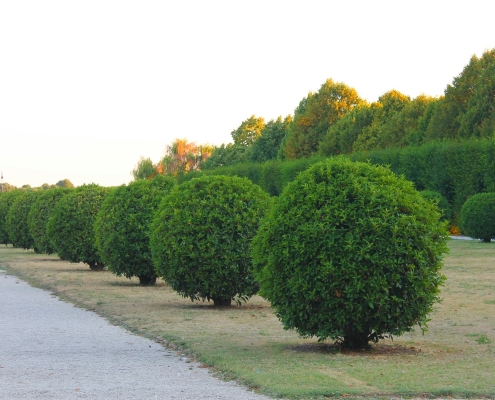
(144, 169)
(201, 234)
(478, 217)
(65, 183)
(266, 147)
(351, 252)
(248, 132)
(70, 228)
(16, 222)
(440, 201)
(122, 227)
(38, 217)
(315, 115)
(6, 200)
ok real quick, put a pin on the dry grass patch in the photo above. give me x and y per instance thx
(248, 343)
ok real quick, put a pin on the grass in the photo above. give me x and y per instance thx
(454, 358)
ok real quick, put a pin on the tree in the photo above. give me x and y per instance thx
(223, 156)
(70, 228)
(267, 145)
(450, 116)
(6, 187)
(144, 169)
(122, 227)
(314, 116)
(201, 234)
(351, 252)
(16, 223)
(478, 217)
(341, 136)
(248, 132)
(39, 214)
(388, 105)
(65, 183)
(182, 157)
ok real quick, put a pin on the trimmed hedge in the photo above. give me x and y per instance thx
(478, 217)
(70, 228)
(39, 214)
(16, 222)
(6, 200)
(122, 227)
(352, 252)
(201, 235)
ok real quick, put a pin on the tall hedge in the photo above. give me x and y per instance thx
(351, 252)
(39, 214)
(71, 227)
(6, 200)
(201, 234)
(16, 222)
(122, 227)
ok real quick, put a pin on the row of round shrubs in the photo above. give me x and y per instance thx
(348, 251)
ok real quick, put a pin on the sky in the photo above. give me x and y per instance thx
(89, 87)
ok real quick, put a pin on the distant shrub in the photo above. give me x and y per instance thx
(122, 227)
(201, 235)
(16, 222)
(440, 201)
(70, 228)
(6, 200)
(38, 217)
(478, 217)
(351, 252)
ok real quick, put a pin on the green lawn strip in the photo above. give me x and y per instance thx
(455, 358)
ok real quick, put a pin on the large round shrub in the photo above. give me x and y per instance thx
(71, 226)
(6, 200)
(16, 222)
(201, 235)
(478, 217)
(350, 252)
(39, 214)
(122, 227)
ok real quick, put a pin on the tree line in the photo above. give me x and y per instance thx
(336, 120)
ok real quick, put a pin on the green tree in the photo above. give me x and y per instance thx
(39, 214)
(478, 217)
(201, 234)
(144, 169)
(266, 147)
(349, 251)
(248, 132)
(122, 227)
(65, 183)
(70, 228)
(314, 116)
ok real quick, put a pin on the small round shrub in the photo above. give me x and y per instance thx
(478, 217)
(38, 217)
(122, 227)
(16, 222)
(6, 200)
(351, 252)
(440, 201)
(70, 228)
(201, 234)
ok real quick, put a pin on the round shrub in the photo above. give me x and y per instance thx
(351, 252)
(70, 228)
(122, 227)
(201, 234)
(478, 217)
(16, 222)
(6, 200)
(38, 217)
(440, 201)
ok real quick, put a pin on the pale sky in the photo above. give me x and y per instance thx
(87, 87)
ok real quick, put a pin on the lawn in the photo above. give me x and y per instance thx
(456, 357)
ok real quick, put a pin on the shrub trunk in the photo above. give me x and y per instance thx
(222, 302)
(146, 280)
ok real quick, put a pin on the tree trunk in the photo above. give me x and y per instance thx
(220, 302)
(146, 280)
(355, 340)
(95, 266)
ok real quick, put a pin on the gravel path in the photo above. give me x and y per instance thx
(50, 349)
